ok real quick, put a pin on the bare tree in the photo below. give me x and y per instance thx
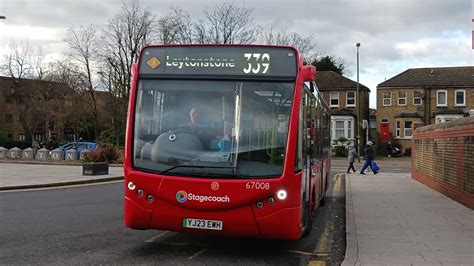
(229, 23)
(83, 44)
(304, 44)
(124, 36)
(175, 27)
(18, 62)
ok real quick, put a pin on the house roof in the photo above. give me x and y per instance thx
(342, 112)
(330, 80)
(451, 111)
(51, 88)
(408, 115)
(433, 76)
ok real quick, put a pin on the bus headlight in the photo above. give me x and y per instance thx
(131, 186)
(281, 194)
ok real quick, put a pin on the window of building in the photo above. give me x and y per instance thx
(22, 137)
(342, 126)
(351, 99)
(10, 136)
(68, 103)
(402, 98)
(397, 131)
(460, 97)
(384, 120)
(349, 129)
(334, 99)
(387, 98)
(442, 98)
(38, 137)
(340, 129)
(8, 118)
(407, 131)
(417, 98)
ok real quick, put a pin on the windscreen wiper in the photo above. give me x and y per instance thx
(195, 166)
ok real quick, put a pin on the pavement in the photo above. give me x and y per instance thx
(20, 175)
(391, 219)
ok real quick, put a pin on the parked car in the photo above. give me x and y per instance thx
(78, 146)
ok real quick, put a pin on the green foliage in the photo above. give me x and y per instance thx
(108, 153)
(3, 135)
(340, 146)
(108, 136)
(329, 63)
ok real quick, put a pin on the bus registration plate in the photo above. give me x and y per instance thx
(202, 224)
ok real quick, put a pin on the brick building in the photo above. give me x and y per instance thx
(34, 110)
(425, 96)
(339, 93)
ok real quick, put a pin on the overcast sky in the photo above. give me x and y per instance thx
(394, 34)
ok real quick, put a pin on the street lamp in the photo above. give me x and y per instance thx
(358, 103)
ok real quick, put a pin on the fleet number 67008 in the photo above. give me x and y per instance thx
(257, 185)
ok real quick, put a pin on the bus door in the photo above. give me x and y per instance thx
(308, 159)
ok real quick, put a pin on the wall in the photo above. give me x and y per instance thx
(443, 159)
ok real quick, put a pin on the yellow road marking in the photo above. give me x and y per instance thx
(317, 263)
(323, 242)
(197, 254)
(337, 184)
(321, 254)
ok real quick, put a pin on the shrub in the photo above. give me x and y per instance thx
(340, 146)
(108, 153)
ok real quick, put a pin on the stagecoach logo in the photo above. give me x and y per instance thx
(214, 186)
(182, 196)
(153, 62)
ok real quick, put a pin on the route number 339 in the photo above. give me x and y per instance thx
(257, 63)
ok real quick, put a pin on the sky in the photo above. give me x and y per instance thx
(395, 35)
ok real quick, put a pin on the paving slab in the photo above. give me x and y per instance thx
(391, 219)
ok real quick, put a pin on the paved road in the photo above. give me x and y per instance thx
(85, 225)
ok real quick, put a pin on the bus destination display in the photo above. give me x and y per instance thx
(219, 60)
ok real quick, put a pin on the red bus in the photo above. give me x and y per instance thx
(225, 140)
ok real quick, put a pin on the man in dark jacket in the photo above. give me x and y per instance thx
(368, 157)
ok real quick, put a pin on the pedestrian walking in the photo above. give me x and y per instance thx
(351, 155)
(369, 159)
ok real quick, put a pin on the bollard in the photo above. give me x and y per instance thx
(42, 154)
(71, 154)
(28, 154)
(3, 152)
(14, 153)
(56, 154)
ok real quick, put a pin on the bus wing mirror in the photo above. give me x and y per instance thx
(308, 73)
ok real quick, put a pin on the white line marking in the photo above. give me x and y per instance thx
(197, 254)
(156, 237)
